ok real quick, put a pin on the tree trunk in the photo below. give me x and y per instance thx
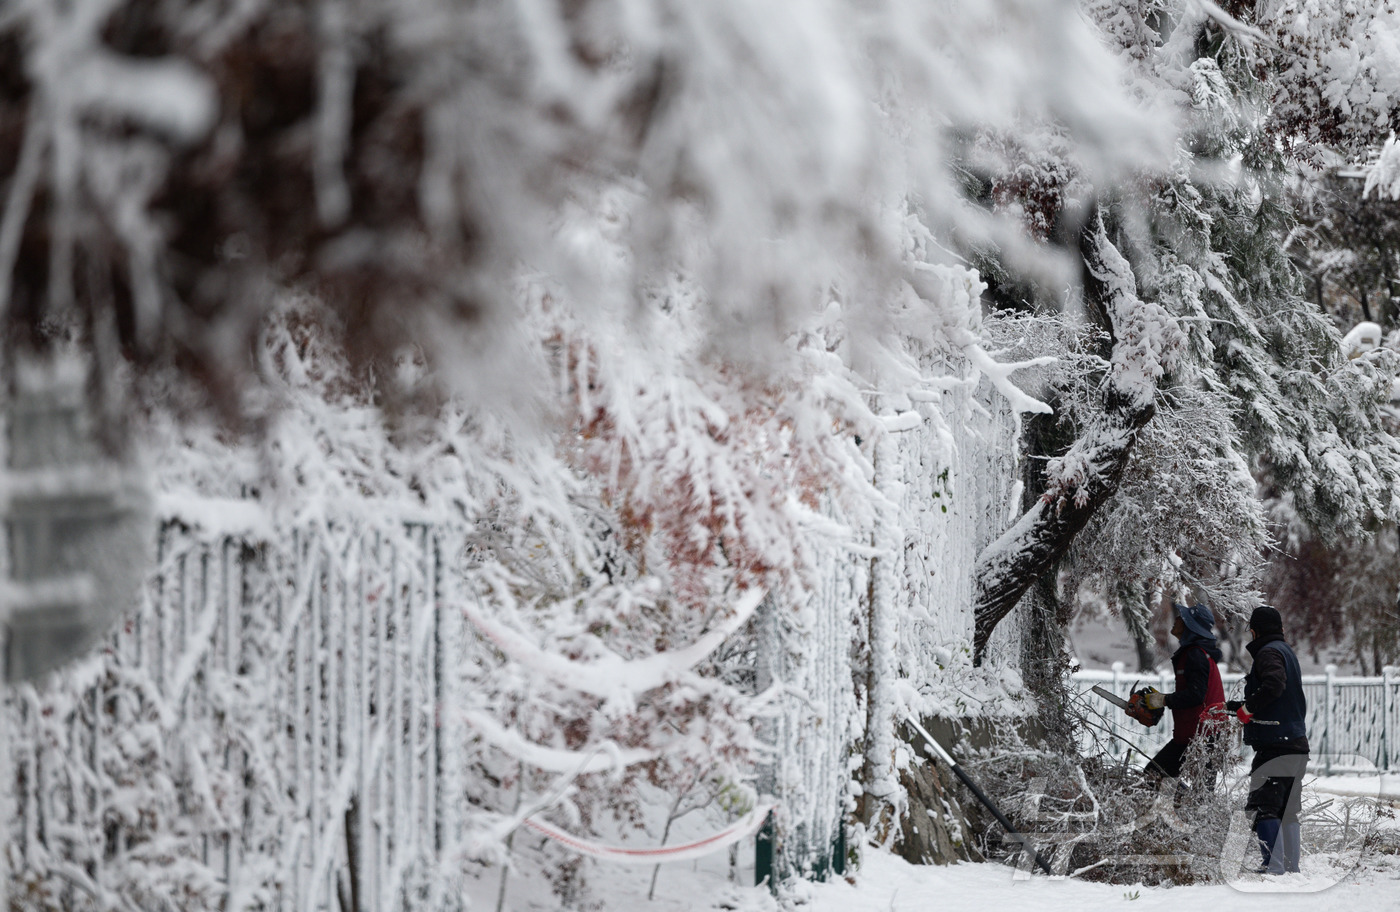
(880, 780)
(1043, 667)
(1013, 563)
(1137, 618)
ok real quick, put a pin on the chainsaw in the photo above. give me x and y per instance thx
(1136, 705)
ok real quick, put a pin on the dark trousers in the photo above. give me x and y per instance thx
(1275, 785)
(1169, 760)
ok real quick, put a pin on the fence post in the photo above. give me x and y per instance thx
(767, 865)
(1115, 746)
(1327, 739)
(764, 872)
(1386, 674)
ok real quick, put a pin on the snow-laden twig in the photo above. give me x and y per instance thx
(607, 676)
(999, 374)
(1147, 340)
(478, 843)
(1383, 174)
(603, 758)
(1223, 19)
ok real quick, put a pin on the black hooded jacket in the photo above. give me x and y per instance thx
(1272, 693)
(1193, 671)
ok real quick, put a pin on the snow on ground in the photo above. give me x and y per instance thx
(888, 884)
(1344, 882)
(1384, 785)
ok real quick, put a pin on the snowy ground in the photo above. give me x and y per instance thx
(1385, 785)
(888, 884)
(1358, 881)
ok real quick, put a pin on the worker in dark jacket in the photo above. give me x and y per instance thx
(1198, 702)
(1273, 694)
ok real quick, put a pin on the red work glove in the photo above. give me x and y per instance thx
(1244, 715)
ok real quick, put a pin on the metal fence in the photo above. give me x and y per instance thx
(264, 731)
(1352, 721)
(278, 703)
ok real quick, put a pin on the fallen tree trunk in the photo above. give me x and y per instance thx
(1030, 548)
(1146, 343)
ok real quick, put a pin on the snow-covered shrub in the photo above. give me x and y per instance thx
(122, 806)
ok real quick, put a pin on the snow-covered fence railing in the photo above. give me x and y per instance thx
(272, 727)
(258, 733)
(1348, 717)
(808, 731)
(950, 488)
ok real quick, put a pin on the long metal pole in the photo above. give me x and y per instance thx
(7, 776)
(7, 779)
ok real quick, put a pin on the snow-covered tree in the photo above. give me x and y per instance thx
(1199, 242)
(628, 299)
(171, 167)
(1347, 242)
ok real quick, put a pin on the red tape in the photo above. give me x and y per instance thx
(698, 849)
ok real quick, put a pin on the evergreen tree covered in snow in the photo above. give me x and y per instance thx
(1199, 243)
(1347, 242)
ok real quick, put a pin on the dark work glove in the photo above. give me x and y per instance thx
(1233, 705)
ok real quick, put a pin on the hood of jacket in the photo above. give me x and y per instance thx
(1190, 639)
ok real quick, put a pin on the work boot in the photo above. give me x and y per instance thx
(1268, 833)
(1292, 846)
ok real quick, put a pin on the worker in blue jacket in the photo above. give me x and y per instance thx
(1273, 694)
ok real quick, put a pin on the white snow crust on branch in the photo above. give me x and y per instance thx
(1213, 12)
(995, 559)
(999, 374)
(169, 96)
(1076, 469)
(955, 294)
(1383, 174)
(902, 421)
(605, 757)
(611, 675)
(81, 77)
(1148, 341)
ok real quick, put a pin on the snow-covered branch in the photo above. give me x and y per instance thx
(611, 675)
(999, 373)
(1146, 343)
(605, 757)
